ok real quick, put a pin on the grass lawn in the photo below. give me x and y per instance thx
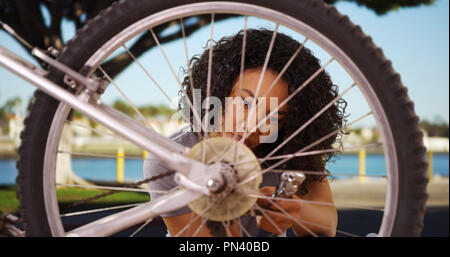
(67, 196)
(8, 199)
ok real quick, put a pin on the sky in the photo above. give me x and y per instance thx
(416, 40)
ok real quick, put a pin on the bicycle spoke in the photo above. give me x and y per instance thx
(357, 175)
(188, 61)
(280, 74)
(140, 228)
(354, 206)
(195, 219)
(331, 150)
(242, 228)
(274, 111)
(228, 221)
(106, 133)
(208, 85)
(285, 214)
(299, 201)
(192, 108)
(311, 223)
(300, 223)
(244, 43)
(161, 49)
(201, 227)
(149, 76)
(317, 152)
(266, 61)
(98, 155)
(107, 188)
(298, 155)
(227, 149)
(190, 221)
(98, 210)
(308, 202)
(320, 140)
(304, 84)
(360, 207)
(187, 226)
(227, 228)
(286, 66)
(269, 218)
(241, 75)
(141, 116)
(319, 173)
(160, 27)
(305, 148)
(208, 78)
(346, 233)
(191, 80)
(326, 107)
(261, 77)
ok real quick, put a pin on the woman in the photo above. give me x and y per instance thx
(226, 82)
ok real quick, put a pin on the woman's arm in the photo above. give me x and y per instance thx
(320, 219)
(191, 224)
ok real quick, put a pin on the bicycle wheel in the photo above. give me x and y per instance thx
(332, 34)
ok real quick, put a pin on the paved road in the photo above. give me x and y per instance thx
(357, 222)
(365, 222)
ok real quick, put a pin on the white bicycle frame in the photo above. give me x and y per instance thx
(166, 150)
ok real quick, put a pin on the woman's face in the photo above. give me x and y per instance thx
(237, 118)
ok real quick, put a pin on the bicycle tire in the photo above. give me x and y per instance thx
(386, 84)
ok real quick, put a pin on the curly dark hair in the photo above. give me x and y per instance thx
(226, 62)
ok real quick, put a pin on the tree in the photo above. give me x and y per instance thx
(10, 105)
(382, 7)
(437, 128)
(123, 107)
(27, 19)
(155, 110)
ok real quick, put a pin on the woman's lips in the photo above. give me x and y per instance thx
(239, 138)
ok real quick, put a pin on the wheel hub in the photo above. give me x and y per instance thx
(230, 163)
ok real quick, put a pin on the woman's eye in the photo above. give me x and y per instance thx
(246, 103)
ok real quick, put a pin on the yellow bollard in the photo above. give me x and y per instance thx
(430, 165)
(144, 155)
(120, 164)
(362, 165)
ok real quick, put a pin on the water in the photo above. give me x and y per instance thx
(105, 169)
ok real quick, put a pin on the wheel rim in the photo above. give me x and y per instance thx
(234, 8)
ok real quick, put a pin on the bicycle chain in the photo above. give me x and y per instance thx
(111, 192)
(216, 228)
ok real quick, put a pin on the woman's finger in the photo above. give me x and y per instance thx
(266, 191)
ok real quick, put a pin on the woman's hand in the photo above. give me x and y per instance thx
(275, 220)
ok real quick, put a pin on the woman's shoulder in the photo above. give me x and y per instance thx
(154, 166)
(185, 137)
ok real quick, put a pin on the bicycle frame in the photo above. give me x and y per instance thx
(166, 150)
